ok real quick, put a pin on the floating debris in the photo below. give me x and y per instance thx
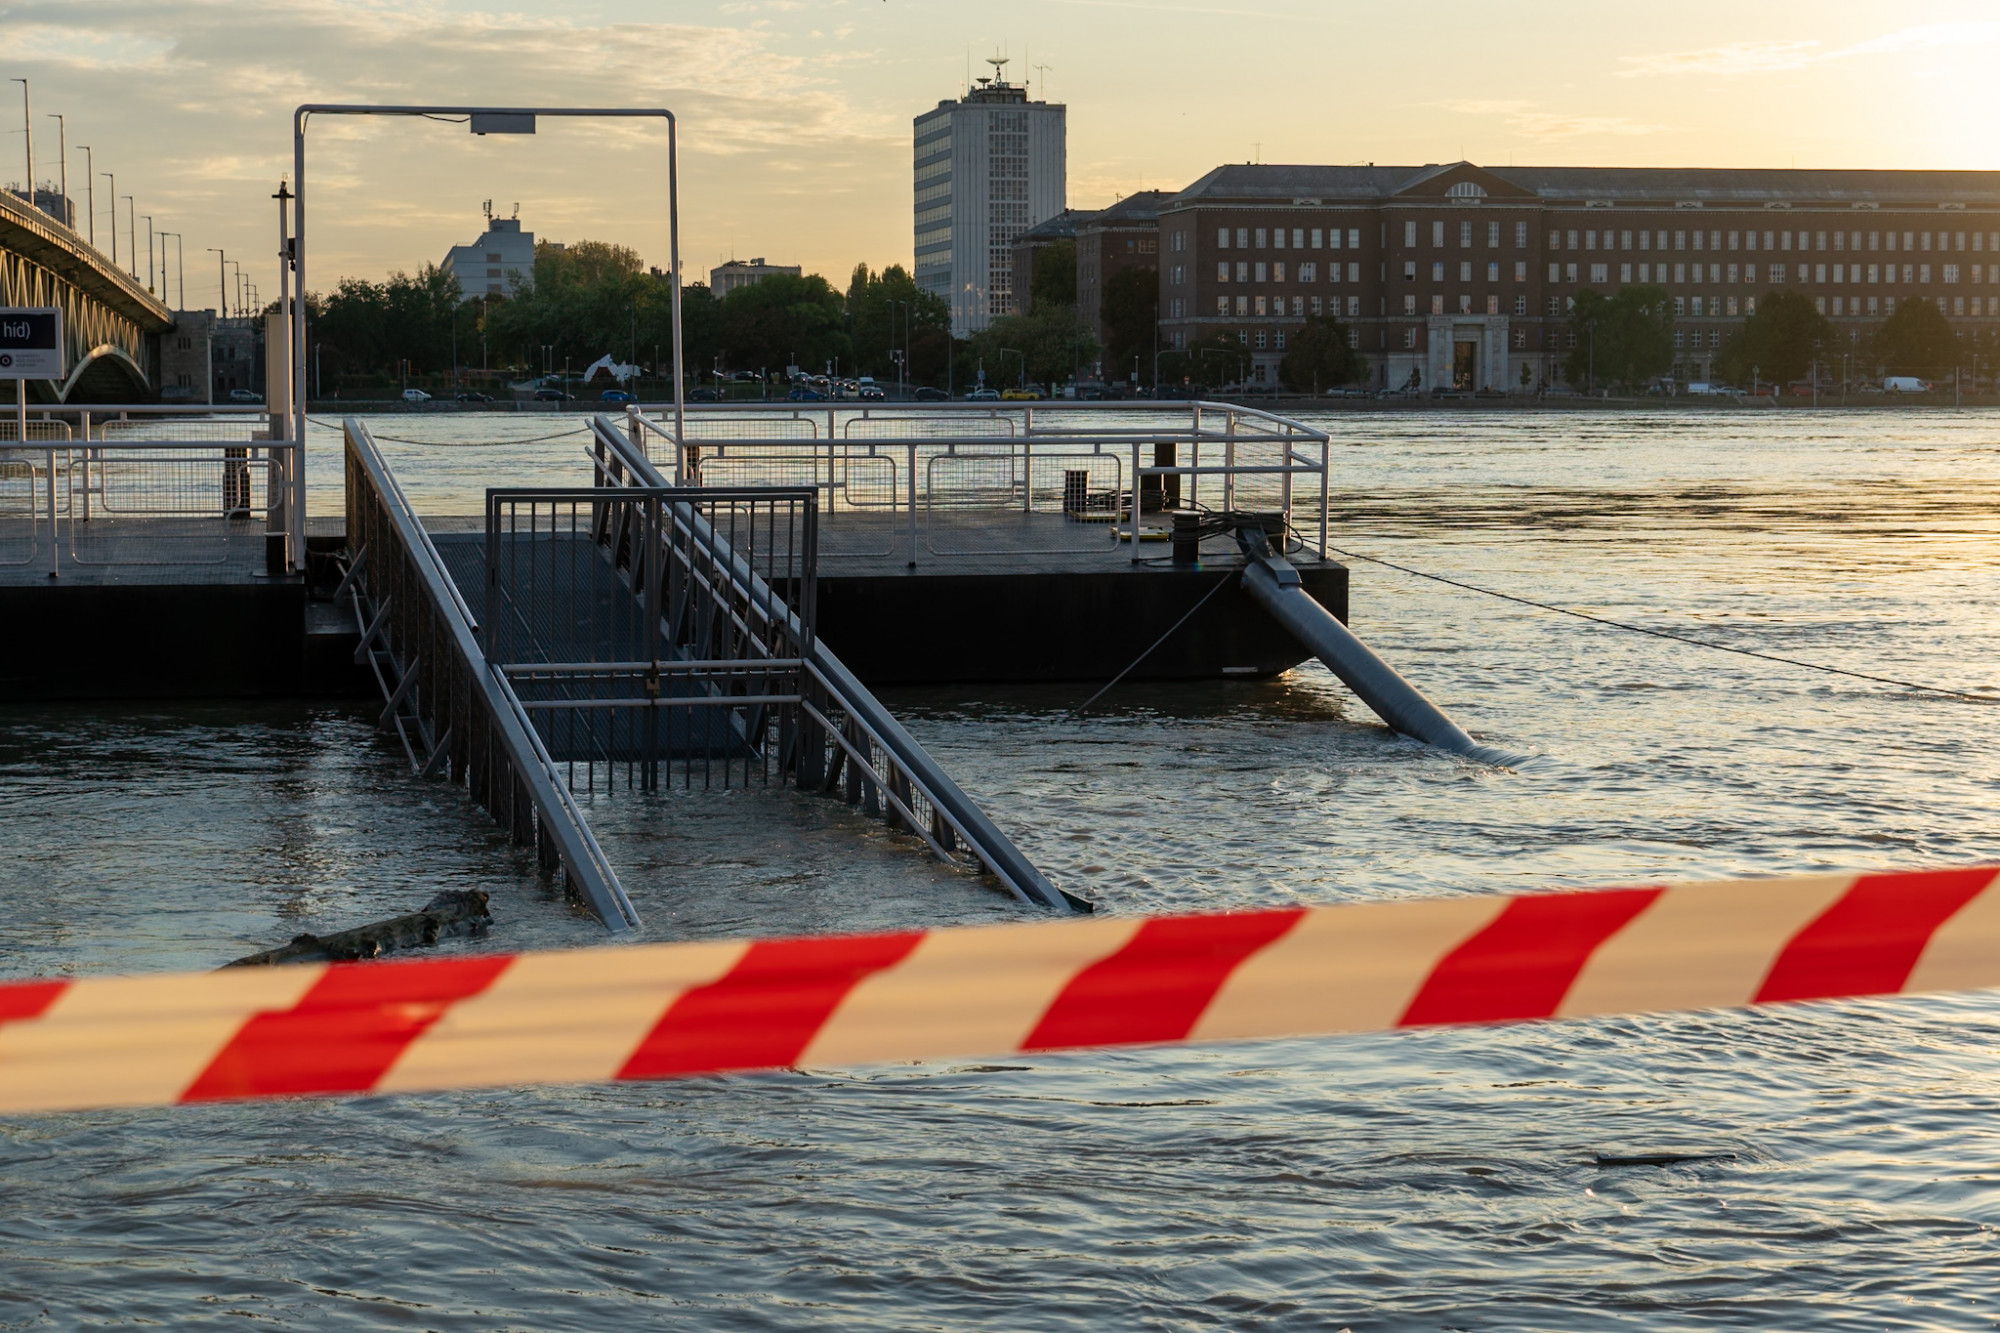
(453, 912)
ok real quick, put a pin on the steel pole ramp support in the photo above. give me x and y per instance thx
(1274, 584)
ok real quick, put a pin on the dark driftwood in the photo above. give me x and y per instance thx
(453, 912)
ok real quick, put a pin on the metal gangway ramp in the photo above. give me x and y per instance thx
(637, 633)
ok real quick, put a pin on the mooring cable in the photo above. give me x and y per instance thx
(1669, 634)
(1221, 583)
(461, 444)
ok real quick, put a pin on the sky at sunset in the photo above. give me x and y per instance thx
(795, 114)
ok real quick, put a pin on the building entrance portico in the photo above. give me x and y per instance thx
(1466, 352)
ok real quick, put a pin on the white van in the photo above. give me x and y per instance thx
(1905, 384)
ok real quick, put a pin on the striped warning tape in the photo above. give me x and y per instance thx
(661, 1011)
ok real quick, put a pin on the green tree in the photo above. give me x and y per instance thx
(1052, 342)
(888, 312)
(785, 320)
(1916, 340)
(1320, 357)
(1776, 343)
(1622, 341)
(371, 328)
(1131, 314)
(1053, 278)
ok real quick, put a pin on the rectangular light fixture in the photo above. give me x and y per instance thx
(503, 122)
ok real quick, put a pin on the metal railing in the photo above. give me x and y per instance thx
(137, 502)
(457, 717)
(935, 477)
(734, 601)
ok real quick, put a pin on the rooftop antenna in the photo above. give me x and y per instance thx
(517, 211)
(488, 208)
(999, 64)
(1043, 70)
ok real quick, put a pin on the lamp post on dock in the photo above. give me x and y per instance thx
(480, 121)
(221, 280)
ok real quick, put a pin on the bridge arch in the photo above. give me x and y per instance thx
(109, 319)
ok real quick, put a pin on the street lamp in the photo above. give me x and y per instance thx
(149, 251)
(90, 191)
(221, 278)
(1002, 351)
(112, 176)
(62, 154)
(131, 230)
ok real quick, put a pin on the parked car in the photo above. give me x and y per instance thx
(802, 394)
(704, 395)
(927, 394)
(615, 396)
(871, 393)
(252, 396)
(409, 395)
(1026, 393)
(553, 396)
(983, 395)
(1893, 384)
(471, 396)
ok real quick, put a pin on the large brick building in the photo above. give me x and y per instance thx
(1462, 276)
(1125, 235)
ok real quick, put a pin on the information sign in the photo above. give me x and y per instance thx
(31, 343)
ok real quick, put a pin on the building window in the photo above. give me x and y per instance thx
(1409, 305)
(1600, 273)
(1317, 237)
(1555, 272)
(1353, 307)
(1590, 240)
(1409, 235)
(1259, 306)
(1569, 272)
(1354, 272)
(1521, 306)
(1493, 271)
(1260, 238)
(1951, 273)
(1680, 273)
(1732, 305)
(1465, 270)
(1222, 270)
(1520, 270)
(1465, 235)
(1315, 307)
(1520, 235)
(1242, 305)
(1298, 238)
(1777, 273)
(1260, 340)
(1222, 305)
(1242, 238)
(1680, 310)
(1261, 270)
(1354, 238)
(1572, 240)
(1242, 270)
(1409, 337)
(1278, 239)
(1697, 308)
(1222, 238)
(1492, 305)
(1678, 338)
(1437, 270)
(1555, 306)
(1437, 234)
(1437, 303)
(1308, 272)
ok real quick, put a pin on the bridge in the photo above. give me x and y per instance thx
(112, 323)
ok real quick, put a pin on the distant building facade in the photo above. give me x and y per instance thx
(1461, 276)
(1031, 243)
(1111, 240)
(49, 201)
(988, 166)
(736, 273)
(496, 264)
(187, 358)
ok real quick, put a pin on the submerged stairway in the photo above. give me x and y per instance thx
(631, 632)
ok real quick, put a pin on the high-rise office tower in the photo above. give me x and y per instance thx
(989, 166)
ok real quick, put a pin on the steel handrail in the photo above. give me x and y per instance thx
(993, 848)
(582, 857)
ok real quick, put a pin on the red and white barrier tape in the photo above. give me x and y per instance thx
(664, 1010)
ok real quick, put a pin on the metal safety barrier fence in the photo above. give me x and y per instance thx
(718, 1006)
(963, 479)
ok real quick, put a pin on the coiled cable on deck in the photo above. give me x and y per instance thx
(1918, 686)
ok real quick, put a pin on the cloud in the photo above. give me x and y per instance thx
(1530, 121)
(1773, 57)
(190, 101)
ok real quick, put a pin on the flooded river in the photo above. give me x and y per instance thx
(1426, 1180)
